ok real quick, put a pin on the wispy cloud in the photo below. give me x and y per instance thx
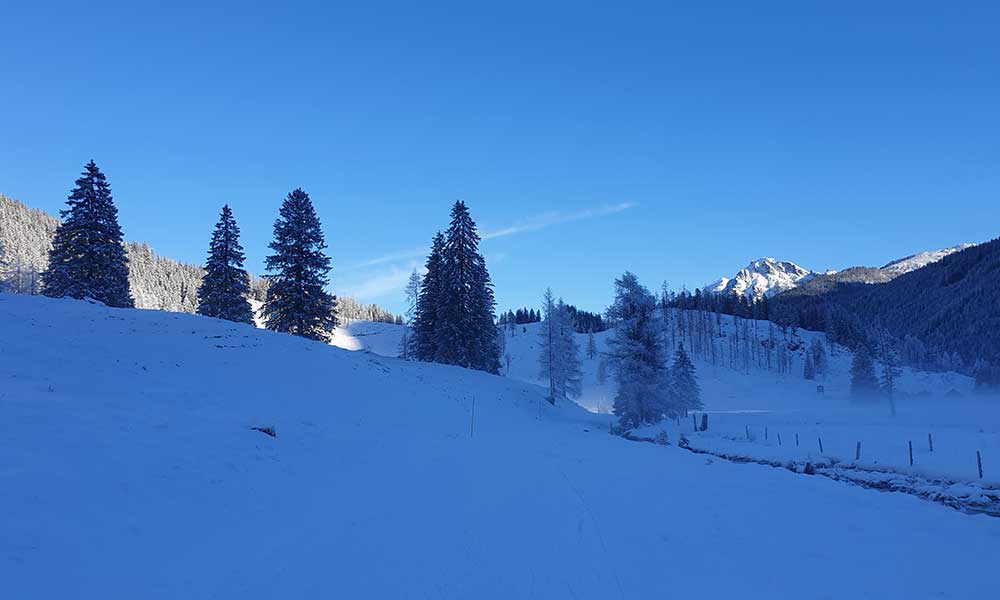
(551, 218)
(396, 266)
(397, 256)
(380, 284)
(384, 283)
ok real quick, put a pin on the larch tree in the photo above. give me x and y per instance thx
(87, 259)
(297, 302)
(636, 355)
(226, 284)
(559, 355)
(685, 394)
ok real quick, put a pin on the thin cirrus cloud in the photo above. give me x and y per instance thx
(534, 223)
(390, 280)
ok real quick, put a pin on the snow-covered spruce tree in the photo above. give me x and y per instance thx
(559, 355)
(591, 346)
(890, 371)
(423, 337)
(685, 394)
(87, 259)
(296, 300)
(808, 367)
(225, 286)
(636, 355)
(466, 334)
(863, 381)
(818, 351)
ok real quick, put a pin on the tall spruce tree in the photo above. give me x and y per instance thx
(685, 394)
(863, 381)
(559, 355)
(809, 367)
(297, 302)
(423, 339)
(224, 288)
(87, 259)
(636, 355)
(466, 333)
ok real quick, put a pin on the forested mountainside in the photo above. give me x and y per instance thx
(155, 281)
(943, 315)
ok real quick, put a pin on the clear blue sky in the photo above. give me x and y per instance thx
(678, 142)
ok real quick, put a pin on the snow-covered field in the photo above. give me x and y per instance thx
(944, 405)
(128, 469)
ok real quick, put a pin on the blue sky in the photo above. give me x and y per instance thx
(679, 142)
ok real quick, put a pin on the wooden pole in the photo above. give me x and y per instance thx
(779, 438)
(747, 427)
(694, 421)
(857, 452)
(979, 463)
(930, 443)
(765, 432)
(911, 454)
(820, 444)
(796, 440)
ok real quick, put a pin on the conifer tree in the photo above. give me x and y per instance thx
(636, 355)
(685, 394)
(890, 371)
(87, 259)
(559, 355)
(591, 346)
(423, 339)
(223, 290)
(412, 296)
(809, 368)
(297, 302)
(818, 352)
(863, 381)
(466, 334)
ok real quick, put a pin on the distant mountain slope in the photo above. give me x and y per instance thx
(767, 277)
(762, 277)
(922, 259)
(156, 282)
(946, 313)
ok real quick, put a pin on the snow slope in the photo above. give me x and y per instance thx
(128, 469)
(943, 405)
(919, 260)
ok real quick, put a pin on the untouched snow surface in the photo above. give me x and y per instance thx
(943, 405)
(128, 469)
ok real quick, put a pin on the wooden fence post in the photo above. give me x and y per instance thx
(930, 443)
(911, 454)
(820, 444)
(796, 440)
(979, 463)
(779, 438)
(704, 421)
(694, 421)
(857, 452)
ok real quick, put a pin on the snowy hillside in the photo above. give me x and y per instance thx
(752, 396)
(762, 277)
(922, 259)
(128, 468)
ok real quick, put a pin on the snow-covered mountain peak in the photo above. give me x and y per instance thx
(765, 276)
